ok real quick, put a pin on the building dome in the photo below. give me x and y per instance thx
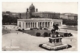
(32, 6)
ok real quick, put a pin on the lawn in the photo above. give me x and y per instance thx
(44, 33)
(35, 32)
(71, 28)
(5, 31)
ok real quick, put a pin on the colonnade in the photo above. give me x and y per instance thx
(37, 24)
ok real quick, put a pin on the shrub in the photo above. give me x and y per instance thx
(19, 29)
(46, 34)
(70, 34)
(61, 35)
(50, 40)
(31, 28)
(22, 29)
(38, 34)
(49, 34)
(45, 28)
(65, 34)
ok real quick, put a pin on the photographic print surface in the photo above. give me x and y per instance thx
(39, 26)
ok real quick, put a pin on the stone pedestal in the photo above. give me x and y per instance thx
(56, 41)
(55, 44)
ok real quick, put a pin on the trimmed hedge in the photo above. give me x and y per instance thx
(38, 34)
(46, 34)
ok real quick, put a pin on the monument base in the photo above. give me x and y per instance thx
(55, 48)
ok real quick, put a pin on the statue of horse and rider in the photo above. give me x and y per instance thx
(55, 27)
(54, 30)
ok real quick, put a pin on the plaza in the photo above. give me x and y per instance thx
(27, 42)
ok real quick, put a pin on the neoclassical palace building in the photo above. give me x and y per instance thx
(35, 21)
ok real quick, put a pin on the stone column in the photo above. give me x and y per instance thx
(60, 40)
(37, 24)
(24, 25)
(47, 24)
(30, 25)
(41, 24)
(44, 24)
(18, 23)
(34, 24)
(61, 23)
(50, 24)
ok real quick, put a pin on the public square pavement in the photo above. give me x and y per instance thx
(18, 41)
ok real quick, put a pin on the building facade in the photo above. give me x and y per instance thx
(37, 23)
(33, 12)
(69, 16)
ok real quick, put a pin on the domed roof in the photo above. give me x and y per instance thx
(31, 6)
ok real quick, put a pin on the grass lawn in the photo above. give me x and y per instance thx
(5, 31)
(43, 33)
(71, 28)
(33, 32)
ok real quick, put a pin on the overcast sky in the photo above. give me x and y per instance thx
(61, 7)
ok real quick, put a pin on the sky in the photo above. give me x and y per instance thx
(60, 7)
